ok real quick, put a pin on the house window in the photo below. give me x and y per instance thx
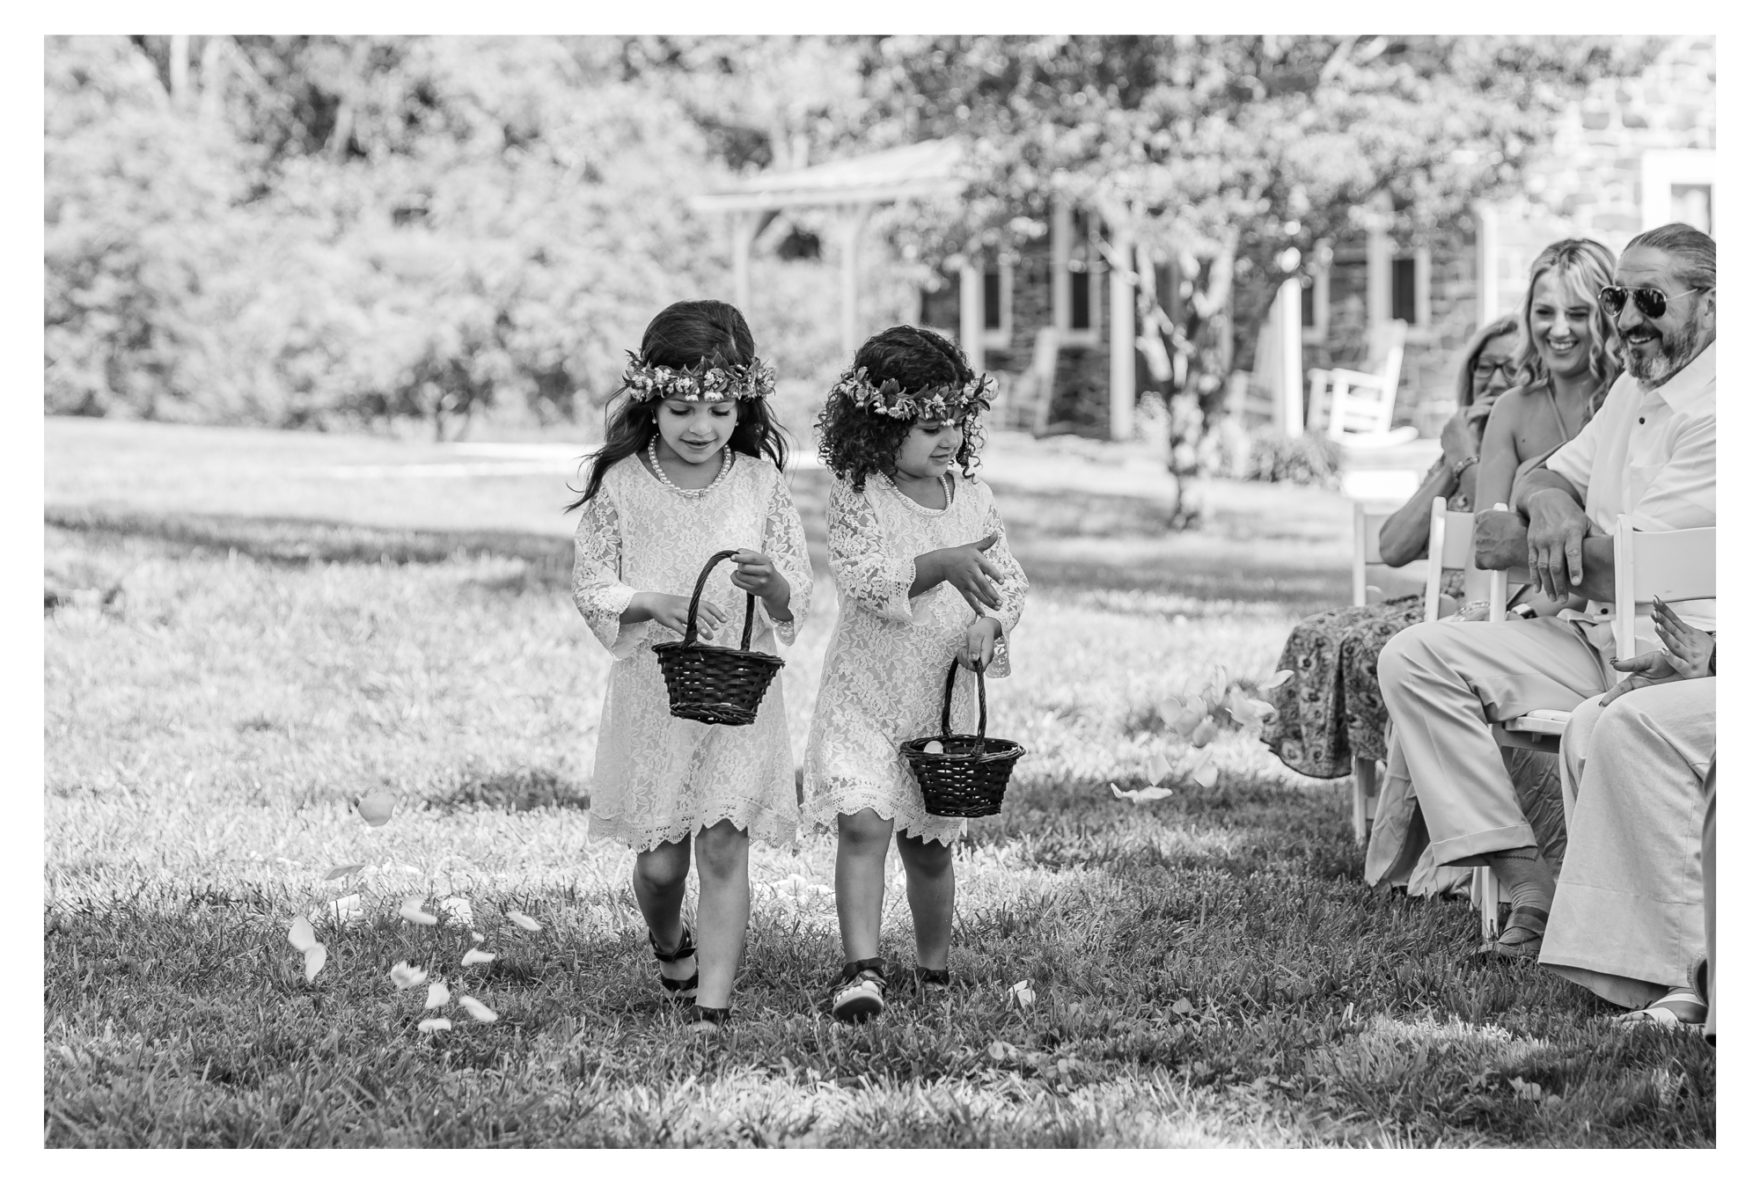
(998, 304)
(1359, 286)
(1678, 186)
(938, 307)
(1076, 275)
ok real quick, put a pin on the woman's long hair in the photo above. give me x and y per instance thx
(1583, 268)
(682, 336)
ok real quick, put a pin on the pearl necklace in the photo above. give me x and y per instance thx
(691, 492)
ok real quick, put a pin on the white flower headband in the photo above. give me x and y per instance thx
(938, 401)
(705, 382)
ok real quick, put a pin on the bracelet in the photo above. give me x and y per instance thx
(1462, 465)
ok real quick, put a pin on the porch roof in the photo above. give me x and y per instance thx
(915, 169)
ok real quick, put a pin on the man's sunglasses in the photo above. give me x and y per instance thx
(1651, 303)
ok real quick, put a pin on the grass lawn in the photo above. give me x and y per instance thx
(306, 617)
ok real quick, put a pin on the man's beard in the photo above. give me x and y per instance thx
(1673, 353)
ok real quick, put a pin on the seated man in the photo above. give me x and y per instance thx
(1628, 920)
(1649, 453)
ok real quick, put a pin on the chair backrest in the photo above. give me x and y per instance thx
(1365, 547)
(1388, 341)
(1678, 565)
(1451, 547)
(1364, 408)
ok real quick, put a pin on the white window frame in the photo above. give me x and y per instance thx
(1379, 257)
(1660, 171)
(1062, 278)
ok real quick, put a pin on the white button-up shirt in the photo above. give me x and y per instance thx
(1650, 454)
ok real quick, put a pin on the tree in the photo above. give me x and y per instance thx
(1232, 157)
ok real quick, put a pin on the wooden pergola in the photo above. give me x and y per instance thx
(851, 188)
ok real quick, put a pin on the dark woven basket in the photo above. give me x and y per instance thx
(966, 779)
(715, 684)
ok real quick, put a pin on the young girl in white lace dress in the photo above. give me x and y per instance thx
(924, 577)
(692, 464)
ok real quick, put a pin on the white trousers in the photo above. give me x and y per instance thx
(1628, 921)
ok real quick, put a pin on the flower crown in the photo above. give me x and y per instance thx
(703, 382)
(938, 401)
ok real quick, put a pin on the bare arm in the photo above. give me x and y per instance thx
(1405, 535)
(1497, 454)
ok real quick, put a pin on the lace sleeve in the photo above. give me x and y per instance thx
(873, 578)
(598, 564)
(785, 543)
(1013, 586)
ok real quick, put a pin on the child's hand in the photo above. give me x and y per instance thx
(1689, 648)
(756, 574)
(965, 568)
(982, 638)
(673, 612)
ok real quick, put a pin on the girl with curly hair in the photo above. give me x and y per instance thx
(924, 578)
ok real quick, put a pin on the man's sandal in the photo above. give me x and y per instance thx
(1522, 934)
(683, 989)
(1680, 1007)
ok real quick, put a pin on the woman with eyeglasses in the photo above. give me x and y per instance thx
(1330, 711)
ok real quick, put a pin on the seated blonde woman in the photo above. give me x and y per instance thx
(1567, 349)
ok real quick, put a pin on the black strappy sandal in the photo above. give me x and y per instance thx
(708, 1020)
(931, 981)
(683, 989)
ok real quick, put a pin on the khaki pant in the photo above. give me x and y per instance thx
(1628, 921)
(1443, 681)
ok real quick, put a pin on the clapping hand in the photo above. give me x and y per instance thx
(966, 569)
(1685, 654)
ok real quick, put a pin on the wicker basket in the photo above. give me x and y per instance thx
(715, 684)
(967, 777)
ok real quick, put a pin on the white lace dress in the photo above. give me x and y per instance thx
(656, 778)
(887, 664)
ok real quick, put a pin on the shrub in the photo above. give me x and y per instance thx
(1310, 460)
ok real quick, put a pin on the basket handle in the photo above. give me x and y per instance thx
(947, 707)
(690, 622)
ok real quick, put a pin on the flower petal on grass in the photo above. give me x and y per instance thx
(376, 806)
(412, 912)
(1021, 993)
(300, 934)
(404, 975)
(342, 910)
(477, 957)
(476, 1009)
(1204, 773)
(345, 869)
(477, 937)
(316, 956)
(524, 921)
(431, 1025)
(1138, 797)
(1160, 768)
(438, 995)
(1204, 733)
(459, 909)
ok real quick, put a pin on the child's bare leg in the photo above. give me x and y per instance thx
(724, 905)
(861, 881)
(928, 885)
(658, 880)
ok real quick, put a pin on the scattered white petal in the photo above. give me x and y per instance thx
(1204, 733)
(412, 912)
(376, 806)
(477, 957)
(286, 862)
(459, 909)
(434, 1024)
(524, 921)
(1205, 774)
(300, 934)
(1022, 994)
(1138, 797)
(316, 956)
(438, 995)
(404, 975)
(342, 910)
(476, 1009)
(1278, 680)
(345, 869)
(1160, 768)
(477, 937)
